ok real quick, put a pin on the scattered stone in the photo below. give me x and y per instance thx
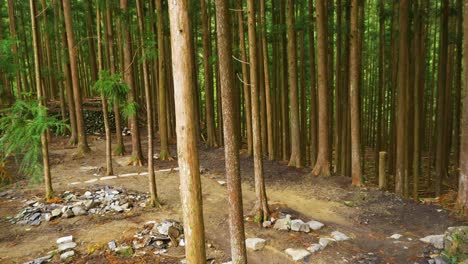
(78, 210)
(266, 224)
(117, 208)
(67, 213)
(66, 246)
(47, 217)
(315, 225)
(67, 255)
(440, 260)
(338, 236)
(282, 224)
(297, 254)
(299, 226)
(222, 183)
(182, 243)
(314, 248)
(56, 212)
(40, 260)
(436, 240)
(112, 245)
(161, 251)
(396, 236)
(324, 241)
(66, 239)
(349, 203)
(255, 243)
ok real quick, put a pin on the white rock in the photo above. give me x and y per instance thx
(315, 225)
(324, 241)
(314, 248)
(282, 224)
(67, 254)
(297, 254)
(66, 246)
(47, 217)
(222, 183)
(338, 236)
(182, 243)
(436, 240)
(296, 224)
(65, 239)
(266, 224)
(255, 243)
(56, 212)
(396, 236)
(78, 210)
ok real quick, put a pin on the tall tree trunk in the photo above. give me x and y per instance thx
(91, 46)
(245, 78)
(73, 51)
(231, 146)
(208, 76)
(162, 118)
(261, 207)
(313, 90)
(462, 199)
(49, 193)
(356, 170)
(403, 76)
(14, 49)
(105, 113)
(322, 166)
(266, 73)
(190, 184)
(137, 155)
(149, 110)
(295, 159)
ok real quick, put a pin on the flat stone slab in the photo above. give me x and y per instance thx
(65, 239)
(338, 236)
(315, 225)
(436, 240)
(255, 243)
(66, 246)
(297, 254)
(67, 254)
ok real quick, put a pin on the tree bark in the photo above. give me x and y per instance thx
(322, 166)
(73, 51)
(190, 184)
(356, 170)
(261, 207)
(49, 193)
(231, 146)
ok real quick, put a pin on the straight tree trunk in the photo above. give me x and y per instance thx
(91, 46)
(190, 184)
(322, 166)
(127, 69)
(356, 170)
(231, 146)
(163, 135)
(49, 193)
(261, 207)
(295, 159)
(11, 17)
(313, 90)
(403, 76)
(149, 110)
(73, 50)
(208, 76)
(462, 199)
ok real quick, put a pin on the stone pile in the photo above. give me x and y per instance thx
(285, 222)
(155, 237)
(98, 201)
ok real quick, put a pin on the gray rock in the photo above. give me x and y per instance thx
(282, 224)
(125, 206)
(56, 212)
(117, 208)
(112, 245)
(47, 217)
(440, 260)
(78, 210)
(431, 261)
(163, 228)
(67, 213)
(88, 204)
(436, 240)
(297, 254)
(266, 224)
(338, 236)
(65, 239)
(66, 246)
(67, 255)
(315, 225)
(299, 226)
(255, 243)
(40, 260)
(314, 248)
(325, 241)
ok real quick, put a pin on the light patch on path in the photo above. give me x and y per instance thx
(124, 175)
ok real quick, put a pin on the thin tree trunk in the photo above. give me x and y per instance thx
(49, 193)
(261, 207)
(190, 184)
(73, 50)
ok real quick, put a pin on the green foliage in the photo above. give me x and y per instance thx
(21, 127)
(112, 87)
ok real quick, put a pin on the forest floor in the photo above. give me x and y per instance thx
(371, 219)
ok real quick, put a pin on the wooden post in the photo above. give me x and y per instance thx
(382, 174)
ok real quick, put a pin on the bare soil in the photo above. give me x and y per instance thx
(374, 216)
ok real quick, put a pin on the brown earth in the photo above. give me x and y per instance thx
(374, 216)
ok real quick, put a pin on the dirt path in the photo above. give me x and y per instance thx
(375, 217)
